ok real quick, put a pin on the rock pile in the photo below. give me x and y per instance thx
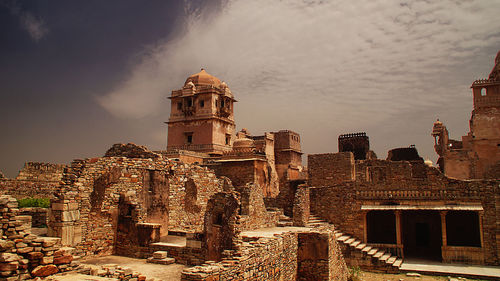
(24, 255)
(130, 150)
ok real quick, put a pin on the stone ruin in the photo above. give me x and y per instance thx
(217, 196)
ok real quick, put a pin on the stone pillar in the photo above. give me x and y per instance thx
(301, 206)
(443, 227)
(64, 222)
(443, 232)
(480, 217)
(399, 243)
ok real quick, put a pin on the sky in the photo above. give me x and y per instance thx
(79, 76)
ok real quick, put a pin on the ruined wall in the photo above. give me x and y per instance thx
(25, 188)
(86, 211)
(301, 206)
(246, 170)
(253, 209)
(319, 257)
(313, 256)
(266, 259)
(38, 180)
(326, 169)
(39, 216)
(24, 255)
(36, 171)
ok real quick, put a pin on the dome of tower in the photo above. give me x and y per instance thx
(243, 142)
(203, 78)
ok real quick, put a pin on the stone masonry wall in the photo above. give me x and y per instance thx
(329, 168)
(36, 171)
(404, 183)
(38, 215)
(27, 188)
(24, 255)
(266, 259)
(85, 212)
(313, 256)
(301, 206)
(37, 180)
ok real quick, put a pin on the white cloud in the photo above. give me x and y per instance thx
(340, 65)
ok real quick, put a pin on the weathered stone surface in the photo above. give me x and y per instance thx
(8, 257)
(44, 270)
(63, 259)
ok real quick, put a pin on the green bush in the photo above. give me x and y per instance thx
(34, 202)
(355, 273)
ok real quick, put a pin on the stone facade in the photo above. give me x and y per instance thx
(477, 155)
(405, 189)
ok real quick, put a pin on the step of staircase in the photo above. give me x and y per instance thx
(355, 243)
(385, 257)
(398, 263)
(391, 260)
(343, 238)
(366, 249)
(379, 254)
(361, 246)
(349, 241)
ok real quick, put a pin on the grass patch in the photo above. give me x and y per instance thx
(34, 202)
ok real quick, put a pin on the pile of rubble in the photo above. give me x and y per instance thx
(24, 255)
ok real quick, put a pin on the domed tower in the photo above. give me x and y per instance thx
(201, 116)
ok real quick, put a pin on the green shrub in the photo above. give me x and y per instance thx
(34, 202)
(355, 273)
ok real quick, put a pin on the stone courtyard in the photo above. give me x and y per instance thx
(218, 204)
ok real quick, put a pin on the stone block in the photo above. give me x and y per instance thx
(63, 260)
(59, 207)
(44, 270)
(193, 244)
(8, 257)
(35, 255)
(9, 266)
(160, 254)
(47, 260)
(25, 250)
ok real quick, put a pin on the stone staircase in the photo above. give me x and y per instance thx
(284, 221)
(359, 254)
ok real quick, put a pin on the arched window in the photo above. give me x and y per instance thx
(483, 92)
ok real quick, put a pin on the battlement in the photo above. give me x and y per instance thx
(344, 136)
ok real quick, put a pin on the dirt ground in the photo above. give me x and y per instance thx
(370, 276)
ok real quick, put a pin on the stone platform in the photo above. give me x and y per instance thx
(462, 270)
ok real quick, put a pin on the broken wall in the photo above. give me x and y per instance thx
(86, 211)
